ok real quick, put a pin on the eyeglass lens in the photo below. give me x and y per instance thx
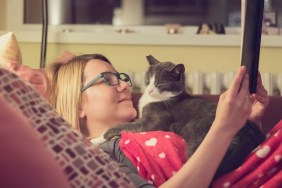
(112, 79)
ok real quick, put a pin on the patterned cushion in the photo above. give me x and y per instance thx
(84, 164)
(18, 159)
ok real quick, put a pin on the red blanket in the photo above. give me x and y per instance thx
(158, 155)
(261, 168)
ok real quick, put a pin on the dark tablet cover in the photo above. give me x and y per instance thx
(252, 39)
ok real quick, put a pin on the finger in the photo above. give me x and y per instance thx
(261, 91)
(12, 65)
(237, 81)
(259, 80)
(259, 76)
(244, 90)
(253, 98)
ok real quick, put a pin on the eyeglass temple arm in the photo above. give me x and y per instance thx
(90, 83)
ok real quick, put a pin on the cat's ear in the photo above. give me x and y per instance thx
(152, 60)
(178, 69)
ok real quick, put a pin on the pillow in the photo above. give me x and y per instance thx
(9, 49)
(22, 154)
(84, 164)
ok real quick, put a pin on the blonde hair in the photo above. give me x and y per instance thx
(64, 93)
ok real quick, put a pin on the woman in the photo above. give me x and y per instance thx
(94, 100)
(79, 72)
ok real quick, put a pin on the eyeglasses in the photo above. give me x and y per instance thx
(112, 79)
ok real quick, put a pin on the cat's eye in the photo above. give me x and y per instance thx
(147, 80)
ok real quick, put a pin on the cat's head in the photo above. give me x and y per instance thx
(164, 79)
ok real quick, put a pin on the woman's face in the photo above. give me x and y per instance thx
(104, 104)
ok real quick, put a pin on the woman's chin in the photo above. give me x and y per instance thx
(128, 111)
(130, 115)
(126, 104)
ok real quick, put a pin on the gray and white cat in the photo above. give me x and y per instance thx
(166, 106)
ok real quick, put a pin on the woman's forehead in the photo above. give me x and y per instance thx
(96, 66)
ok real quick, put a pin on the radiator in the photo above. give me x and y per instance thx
(213, 83)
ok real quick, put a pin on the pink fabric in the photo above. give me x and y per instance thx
(262, 167)
(156, 154)
(24, 160)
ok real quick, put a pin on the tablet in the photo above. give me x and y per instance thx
(251, 38)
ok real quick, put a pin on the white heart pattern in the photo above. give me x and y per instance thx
(263, 152)
(127, 141)
(151, 142)
(226, 184)
(260, 175)
(277, 134)
(167, 136)
(162, 155)
(278, 158)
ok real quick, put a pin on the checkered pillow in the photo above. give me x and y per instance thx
(22, 154)
(84, 164)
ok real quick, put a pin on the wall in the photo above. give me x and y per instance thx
(132, 57)
(3, 14)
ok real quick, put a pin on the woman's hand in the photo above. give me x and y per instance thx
(234, 105)
(260, 101)
(36, 77)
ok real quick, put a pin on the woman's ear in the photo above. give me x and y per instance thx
(82, 114)
(81, 110)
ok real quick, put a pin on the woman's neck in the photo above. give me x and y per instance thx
(97, 129)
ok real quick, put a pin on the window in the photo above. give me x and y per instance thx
(126, 12)
(71, 11)
(27, 13)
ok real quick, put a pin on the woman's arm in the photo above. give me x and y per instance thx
(233, 109)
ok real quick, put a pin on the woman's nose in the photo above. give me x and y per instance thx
(122, 85)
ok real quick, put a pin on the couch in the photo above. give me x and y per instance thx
(272, 115)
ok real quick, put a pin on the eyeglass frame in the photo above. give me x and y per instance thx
(101, 75)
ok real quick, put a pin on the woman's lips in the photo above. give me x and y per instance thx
(125, 99)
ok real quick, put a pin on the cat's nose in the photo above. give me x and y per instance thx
(150, 92)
